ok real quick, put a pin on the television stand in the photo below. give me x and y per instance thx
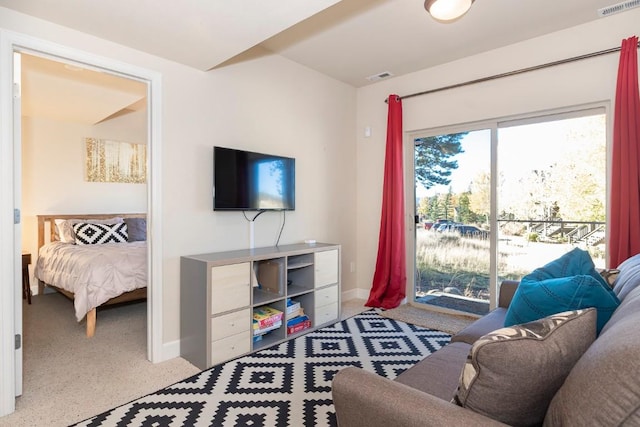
(221, 291)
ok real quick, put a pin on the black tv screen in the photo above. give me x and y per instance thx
(245, 181)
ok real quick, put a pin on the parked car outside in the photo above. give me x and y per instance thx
(470, 231)
(440, 223)
(448, 227)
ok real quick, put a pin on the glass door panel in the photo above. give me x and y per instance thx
(551, 192)
(453, 187)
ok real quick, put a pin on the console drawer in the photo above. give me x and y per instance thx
(230, 287)
(230, 324)
(326, 296)
(230, 347)
(326, 313)
(326, 268)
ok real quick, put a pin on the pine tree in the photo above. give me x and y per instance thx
(433, 163)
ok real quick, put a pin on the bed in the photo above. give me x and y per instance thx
(93, 259)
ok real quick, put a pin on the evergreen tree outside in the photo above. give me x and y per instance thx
(433, 158)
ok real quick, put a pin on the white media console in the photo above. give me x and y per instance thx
(219, 292)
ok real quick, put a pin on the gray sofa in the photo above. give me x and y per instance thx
(601, 389)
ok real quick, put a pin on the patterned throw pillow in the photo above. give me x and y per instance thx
(64, 227)
(610, 275)
(512, 374)
(94, 234)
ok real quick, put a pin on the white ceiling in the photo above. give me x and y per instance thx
(347, 40)
(61, 92)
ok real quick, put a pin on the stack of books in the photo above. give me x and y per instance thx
(265, 320)
(296, 319)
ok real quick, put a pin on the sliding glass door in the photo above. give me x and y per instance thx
(453, 188)
(551, 191)
(496, 202)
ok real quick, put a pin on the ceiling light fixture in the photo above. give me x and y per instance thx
(447, 10)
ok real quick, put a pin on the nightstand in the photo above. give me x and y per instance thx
(26, 283)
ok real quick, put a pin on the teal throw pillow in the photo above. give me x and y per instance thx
(534, 299)
(573, 263)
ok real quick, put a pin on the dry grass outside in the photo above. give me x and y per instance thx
(447, 260)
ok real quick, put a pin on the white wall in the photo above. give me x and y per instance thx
(582, 82)
(53, 171)
(268, 104)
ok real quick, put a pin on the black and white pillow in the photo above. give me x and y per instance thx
(95, 234)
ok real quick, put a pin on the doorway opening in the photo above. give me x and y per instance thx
(63, 104)
(11, 226)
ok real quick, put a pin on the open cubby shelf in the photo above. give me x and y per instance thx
(221, 290)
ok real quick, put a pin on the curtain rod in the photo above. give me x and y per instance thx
(515, 72)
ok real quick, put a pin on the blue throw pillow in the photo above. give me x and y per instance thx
(574, 262)
(534, 300)
(570, 282)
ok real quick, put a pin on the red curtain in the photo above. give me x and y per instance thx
(390, 278)
(624, 240)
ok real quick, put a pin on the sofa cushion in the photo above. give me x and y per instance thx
(536, 299)
(438, 373)
(512, 374)
(603, 387)
(488, 323)
(628, 278)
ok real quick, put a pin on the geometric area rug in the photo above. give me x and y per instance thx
(288, 384)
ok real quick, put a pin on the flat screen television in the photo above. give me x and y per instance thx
(248, 181)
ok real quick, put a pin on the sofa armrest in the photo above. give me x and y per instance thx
(507, 289)
(364, 399)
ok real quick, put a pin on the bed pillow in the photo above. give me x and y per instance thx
(64, 227)
(137, 229)
(512, 374)
(94, 234)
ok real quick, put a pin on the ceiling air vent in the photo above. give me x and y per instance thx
(617, 8)
(386, 74)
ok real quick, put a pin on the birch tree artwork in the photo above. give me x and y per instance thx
(115, 161)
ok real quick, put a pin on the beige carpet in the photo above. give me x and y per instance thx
(68, 378)
(448, 323)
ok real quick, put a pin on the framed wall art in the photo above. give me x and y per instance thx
(115, 161)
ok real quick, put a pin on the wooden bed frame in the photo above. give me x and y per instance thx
(135, 295)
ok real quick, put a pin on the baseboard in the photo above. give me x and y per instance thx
(360, 293)
(170, 350)
(357, 293)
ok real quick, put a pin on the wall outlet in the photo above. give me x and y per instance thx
(352, 267)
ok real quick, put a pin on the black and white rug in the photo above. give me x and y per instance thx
(285, 385)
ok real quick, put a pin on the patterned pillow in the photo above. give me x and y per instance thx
(610, 275)
(64, 227)
(94, 234)
(512, 374)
